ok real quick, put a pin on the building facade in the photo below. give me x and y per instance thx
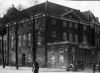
(63, 35)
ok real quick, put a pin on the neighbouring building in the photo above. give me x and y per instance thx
(63, 35)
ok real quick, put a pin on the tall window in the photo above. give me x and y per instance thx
(97, 29)
(53, 21)
(84, 27)
(70, 24)
(76, 38)
(61, 55)
(24, 40)
(85, 39)
(65, 36)
(29, 39)
(53, 56)
(76, 26)
(54, 34)
(36, 23)
(64, 23)
(19, 43)
(98, 41)
(12, 42)
(70, 37)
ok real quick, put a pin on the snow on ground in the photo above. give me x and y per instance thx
(41, 70)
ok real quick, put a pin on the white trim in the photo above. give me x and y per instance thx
(63, 42)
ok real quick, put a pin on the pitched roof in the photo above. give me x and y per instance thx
(46, 7)
(90, 17)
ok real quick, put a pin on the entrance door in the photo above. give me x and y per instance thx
(23, 59)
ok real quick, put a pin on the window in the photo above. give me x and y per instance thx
(29, 37)
(61, 55)
(53, 22)
(24, 40)
(76, 26)
(76, 38)
(70, 24)
(54, 34)
(96, 41)
(65, 36)
(85, 39)
(53, 55)
(12, 42)
(36, 23)
(19, 43)
(84, 27)
(64, 23)
(97, 29)
(70, 37)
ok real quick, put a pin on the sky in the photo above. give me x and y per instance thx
(93, 6)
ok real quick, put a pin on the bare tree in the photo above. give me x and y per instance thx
(20, 7)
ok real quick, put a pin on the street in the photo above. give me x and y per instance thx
(41, 70)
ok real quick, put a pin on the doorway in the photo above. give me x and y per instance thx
(23, 59)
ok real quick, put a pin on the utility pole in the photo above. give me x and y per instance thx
(16, 35)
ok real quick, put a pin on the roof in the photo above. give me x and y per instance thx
(46, 7)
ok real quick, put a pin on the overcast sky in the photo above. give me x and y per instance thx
(93, 6)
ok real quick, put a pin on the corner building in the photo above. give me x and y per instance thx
(63, 35)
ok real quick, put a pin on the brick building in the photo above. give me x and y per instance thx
(63, 35)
